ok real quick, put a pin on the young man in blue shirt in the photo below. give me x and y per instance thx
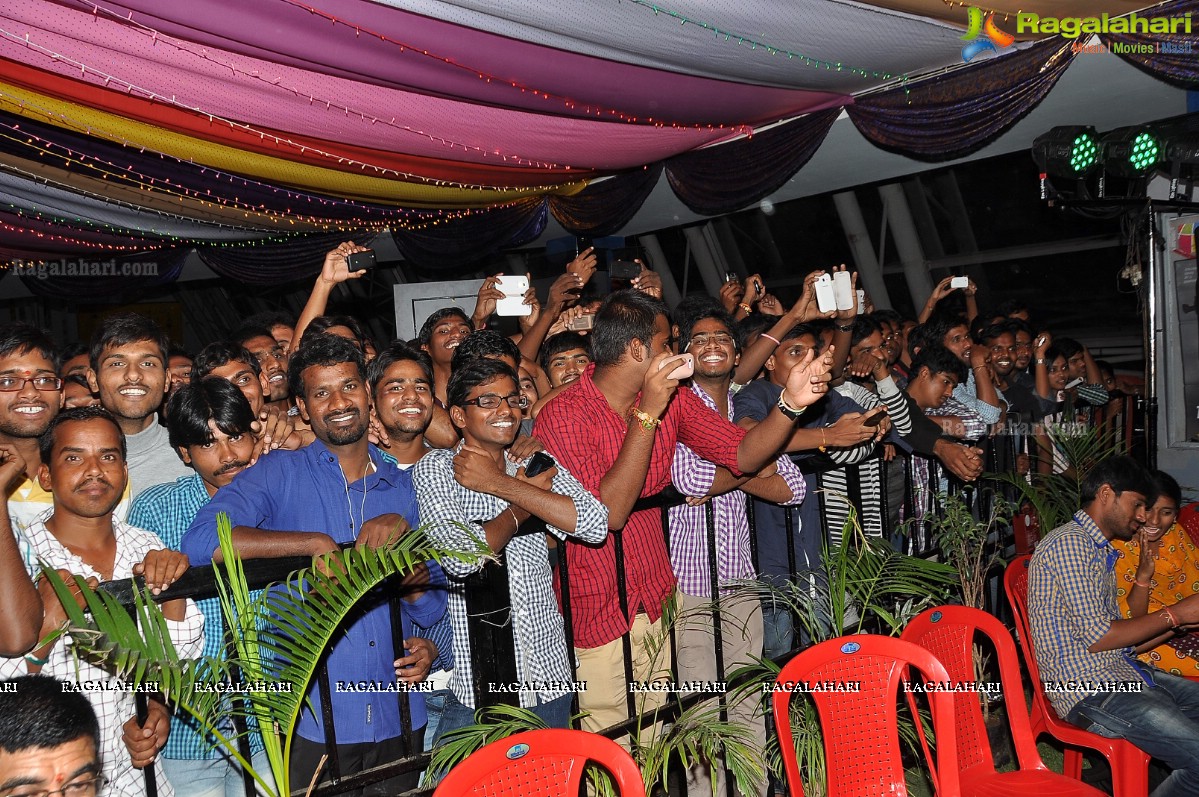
(339, 489)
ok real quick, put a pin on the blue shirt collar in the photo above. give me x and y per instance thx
(385, 469)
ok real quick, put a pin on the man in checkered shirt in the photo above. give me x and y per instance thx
(83, 466)
(477, 491)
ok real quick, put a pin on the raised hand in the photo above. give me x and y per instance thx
(336, 269)
(809, 378)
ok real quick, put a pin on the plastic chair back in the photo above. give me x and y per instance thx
(1130, 764)
(545, 763)
(949, 633)
(861, 728)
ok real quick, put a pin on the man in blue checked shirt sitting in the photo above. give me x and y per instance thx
(477, 491)
(209, 425)
(339, 489)
(1084, 647)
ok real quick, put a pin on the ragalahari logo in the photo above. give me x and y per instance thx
(983, 34)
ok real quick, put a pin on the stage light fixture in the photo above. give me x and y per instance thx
(1181, 151)
(1131, 152)
(1070, 152)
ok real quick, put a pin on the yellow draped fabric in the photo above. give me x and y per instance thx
(279, 171)
(1175, 576)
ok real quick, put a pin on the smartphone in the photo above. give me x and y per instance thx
(875, 419)
(959, 282)
(861, 301)
(361, 261)
(624, 269)
(843, 290)
(758, 287)
(685, 367)
(514, 288)
(539, 463)
(582, 323)
(826, 300)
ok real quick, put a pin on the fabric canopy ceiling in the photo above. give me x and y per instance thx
(272, 126)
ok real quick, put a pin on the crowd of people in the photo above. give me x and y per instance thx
(118, 454)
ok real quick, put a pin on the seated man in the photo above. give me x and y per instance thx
(1084, 647)
(339, 489)
(475, 491)
(83, 466)
(49, 740)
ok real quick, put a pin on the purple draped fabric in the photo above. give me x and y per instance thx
(299, 258)
(124, 276)
(604, 207)
(727, 178)
(960, 112)
(473, 237)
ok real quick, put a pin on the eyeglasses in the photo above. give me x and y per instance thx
(491, 401)
(12, 384)
(701, 340)
(80, 788)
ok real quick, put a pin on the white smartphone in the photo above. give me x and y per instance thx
(959, 282)
(685, 366)
(843, 290)
(514, 289)
(826, 300)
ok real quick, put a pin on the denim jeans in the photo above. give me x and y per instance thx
(213, 777)
(778, 629)
(1162, 721)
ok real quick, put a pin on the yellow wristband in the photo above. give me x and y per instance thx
(644, 419)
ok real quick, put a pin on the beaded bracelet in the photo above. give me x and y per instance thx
(646, 421)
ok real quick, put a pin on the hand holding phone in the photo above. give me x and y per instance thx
(683, 364)
(514, 288)
(360, 261)
(875, 419)
(539, 463)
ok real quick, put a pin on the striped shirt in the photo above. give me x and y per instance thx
(1071, 605)
(689, 555)
(167, 510)
(454, 516)
(967, 393)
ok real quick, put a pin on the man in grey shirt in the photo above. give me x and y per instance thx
(129, 372)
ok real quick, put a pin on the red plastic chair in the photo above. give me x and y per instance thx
(949, 633)
(860, 728)
(1130, 764)
(546, 763)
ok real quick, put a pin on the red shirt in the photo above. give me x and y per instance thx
(585, 435)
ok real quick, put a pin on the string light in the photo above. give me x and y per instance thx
(770, 49)
(1006, 14)
(263, 135)
(63, 120)
(404, 48)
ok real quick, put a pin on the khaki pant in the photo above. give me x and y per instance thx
(602, 670)
(741, 640)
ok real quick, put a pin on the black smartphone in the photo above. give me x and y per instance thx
(361, 261)
(875, 419)
(624, 269)
(539, 463)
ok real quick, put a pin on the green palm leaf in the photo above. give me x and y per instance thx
(280, 636)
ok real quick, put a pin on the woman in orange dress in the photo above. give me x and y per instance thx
(1159, 567)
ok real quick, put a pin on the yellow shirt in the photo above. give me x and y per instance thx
(1175, 576)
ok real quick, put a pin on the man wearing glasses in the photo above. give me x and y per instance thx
(476, 492)
(49, 740)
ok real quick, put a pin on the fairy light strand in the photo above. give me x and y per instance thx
(769, 49)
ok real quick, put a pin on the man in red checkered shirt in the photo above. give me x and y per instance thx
(615, 429)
